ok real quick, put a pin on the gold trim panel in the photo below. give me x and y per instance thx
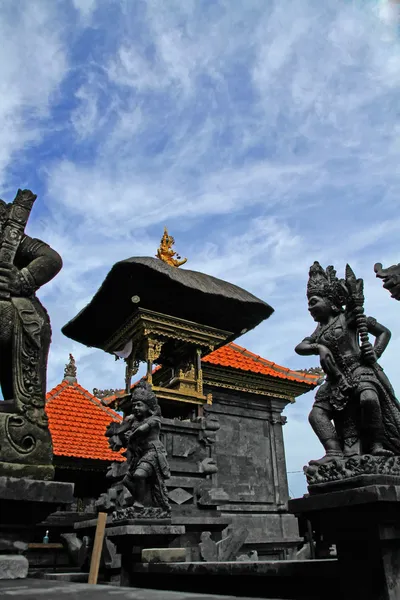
(145, 322)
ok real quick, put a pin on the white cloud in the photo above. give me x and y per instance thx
(32, 66)
(264, 137)
(85, 8)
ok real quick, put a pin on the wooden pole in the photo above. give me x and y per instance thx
(97, 547)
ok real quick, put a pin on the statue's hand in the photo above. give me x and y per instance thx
(368, 353)
(327, 361)
(345, 386)
(10, 279)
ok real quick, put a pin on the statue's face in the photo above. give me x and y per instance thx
(320, 308)
(140, 409)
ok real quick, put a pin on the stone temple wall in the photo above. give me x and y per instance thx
(250, 485)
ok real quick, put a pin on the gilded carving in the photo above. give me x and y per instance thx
(166, 253)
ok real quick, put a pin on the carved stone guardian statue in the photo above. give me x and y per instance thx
(25, 333)
(357, 419)
(355, 412)
(147, 466)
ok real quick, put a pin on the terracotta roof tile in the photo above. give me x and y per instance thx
(234, 356)
(78, 421)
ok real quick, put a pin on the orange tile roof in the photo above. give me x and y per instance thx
(78, 422)
(236, 357)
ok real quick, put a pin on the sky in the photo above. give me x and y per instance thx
(264, 134)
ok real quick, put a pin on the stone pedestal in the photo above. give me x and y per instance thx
(23, 504)
(294, 579)
(131, 539)
(364, 523)
(128, 538)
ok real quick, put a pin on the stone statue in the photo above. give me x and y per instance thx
(148, 468)
(391, 279)
(25, 333)
(356, 395)
(70, 369)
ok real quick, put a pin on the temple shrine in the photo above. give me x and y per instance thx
(221, 405)
(248, 392)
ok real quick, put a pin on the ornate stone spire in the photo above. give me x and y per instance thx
(70, 370)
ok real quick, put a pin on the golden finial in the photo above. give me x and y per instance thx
(166, 253)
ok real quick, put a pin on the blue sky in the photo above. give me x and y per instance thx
(265, 135)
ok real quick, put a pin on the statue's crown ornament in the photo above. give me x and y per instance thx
(143, 392)
(325, 284)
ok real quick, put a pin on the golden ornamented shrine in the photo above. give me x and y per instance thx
(167, 318)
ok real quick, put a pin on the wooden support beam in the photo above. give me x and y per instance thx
(97, 547)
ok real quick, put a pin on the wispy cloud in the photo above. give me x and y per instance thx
(32, 65)
(265, 135)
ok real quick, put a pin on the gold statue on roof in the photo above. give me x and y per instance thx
(166, 253)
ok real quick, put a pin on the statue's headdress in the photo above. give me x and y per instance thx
(326, 284)
(142, 392)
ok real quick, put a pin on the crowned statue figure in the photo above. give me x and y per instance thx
(146, 456)
(355, 410)
(26, 264)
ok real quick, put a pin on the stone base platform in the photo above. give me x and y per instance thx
(23, 504)
(307, 579)
(364, 523)
(31, 589)
(13, 566)
(354, 472)
(41, 472)
(25, 501)
(130, 539)
(178, 532)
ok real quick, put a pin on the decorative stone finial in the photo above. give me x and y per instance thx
(70, 370)
(166, 253)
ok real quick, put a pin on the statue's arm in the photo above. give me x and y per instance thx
(149, 424)
(382, 335)
(39, 262)
(116, 439)
(144, 428)
(308, 346)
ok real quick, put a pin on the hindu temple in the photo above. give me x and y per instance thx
(185, 463)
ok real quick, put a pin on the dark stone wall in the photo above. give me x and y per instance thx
(251, 483)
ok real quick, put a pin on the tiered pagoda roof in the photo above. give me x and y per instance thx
(151, 284)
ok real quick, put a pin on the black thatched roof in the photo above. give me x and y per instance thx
(169, 290)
